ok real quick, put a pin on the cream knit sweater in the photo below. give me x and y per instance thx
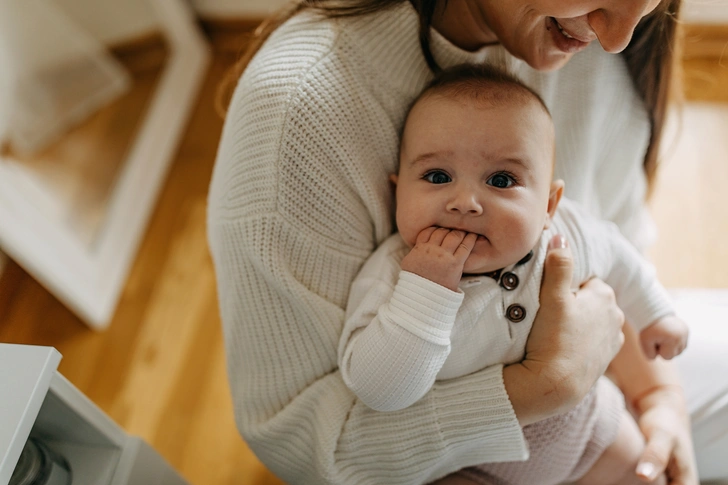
(300, 198)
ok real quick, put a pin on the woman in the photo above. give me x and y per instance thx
(300, 198)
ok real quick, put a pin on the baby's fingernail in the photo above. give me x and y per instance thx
(558, 242)
(646, 469)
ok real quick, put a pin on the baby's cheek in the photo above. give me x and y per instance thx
(519, 239)
(408, 234)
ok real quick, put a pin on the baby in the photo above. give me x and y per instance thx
(456, 289)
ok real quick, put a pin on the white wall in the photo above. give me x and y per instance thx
(236, 8)
(698, 11)
(111, 21)
(706, 11)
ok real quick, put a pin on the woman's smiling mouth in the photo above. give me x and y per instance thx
(566, 40)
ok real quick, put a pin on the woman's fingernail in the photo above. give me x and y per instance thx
(646, 469)
(558, 242)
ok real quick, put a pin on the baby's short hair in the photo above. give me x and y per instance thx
(481, 83)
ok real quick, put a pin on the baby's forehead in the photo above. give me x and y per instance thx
(498, 97)
(521, 112)
(492, 91)
(531, 126)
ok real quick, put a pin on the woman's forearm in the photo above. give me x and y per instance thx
(653, 391)
(536, 392)
(635, 374)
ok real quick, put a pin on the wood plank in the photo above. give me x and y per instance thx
(705, 79)
(705, 40)
(229, 34)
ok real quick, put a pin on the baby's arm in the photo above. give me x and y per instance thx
(645, 302)
(396, 337)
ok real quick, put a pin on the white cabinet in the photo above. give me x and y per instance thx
(36, 400)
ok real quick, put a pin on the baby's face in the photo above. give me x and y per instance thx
(485, 170)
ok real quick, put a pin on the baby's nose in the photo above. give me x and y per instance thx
(465, 203)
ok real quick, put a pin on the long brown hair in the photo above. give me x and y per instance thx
(650, 55)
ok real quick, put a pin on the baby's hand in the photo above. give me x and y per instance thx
(439, 255)
(666, 337)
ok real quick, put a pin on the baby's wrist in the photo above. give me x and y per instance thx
(659, 393)
(660, 319)
(433, 280)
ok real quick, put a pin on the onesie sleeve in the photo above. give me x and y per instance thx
(396, 339)
(638, 291)
(602, 251)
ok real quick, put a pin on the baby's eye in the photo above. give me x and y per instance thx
(437, 177)
(501, 181)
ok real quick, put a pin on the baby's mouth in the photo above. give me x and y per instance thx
(481, 237)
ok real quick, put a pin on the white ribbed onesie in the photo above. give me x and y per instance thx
(403, 332)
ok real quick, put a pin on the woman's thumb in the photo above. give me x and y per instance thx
(655, 456)
(558, 267)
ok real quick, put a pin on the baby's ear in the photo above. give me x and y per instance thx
(393, 178)
(557, 190)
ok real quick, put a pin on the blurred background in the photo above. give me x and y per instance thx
(108, 134)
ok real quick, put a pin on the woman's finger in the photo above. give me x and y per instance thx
(558, 270)
(656, 455)
(681, 469)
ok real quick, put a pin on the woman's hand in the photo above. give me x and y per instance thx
(573, 340)
(664, 421)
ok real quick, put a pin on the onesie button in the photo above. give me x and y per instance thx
(515, 313)
(509, 281)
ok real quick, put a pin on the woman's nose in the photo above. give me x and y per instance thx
(465, 202)
(615, 25)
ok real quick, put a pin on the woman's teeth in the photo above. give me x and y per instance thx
(561, 29)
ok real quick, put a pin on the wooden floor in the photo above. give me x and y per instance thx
(159, 369)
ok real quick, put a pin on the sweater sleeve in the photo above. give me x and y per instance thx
(289, 230)
(291, 403)
(396, 340)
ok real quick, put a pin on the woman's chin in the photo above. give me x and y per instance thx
(551, 61)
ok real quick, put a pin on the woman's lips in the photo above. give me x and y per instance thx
(564, 41)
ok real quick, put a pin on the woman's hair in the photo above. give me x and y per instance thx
(650, 55)
(481, 83)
